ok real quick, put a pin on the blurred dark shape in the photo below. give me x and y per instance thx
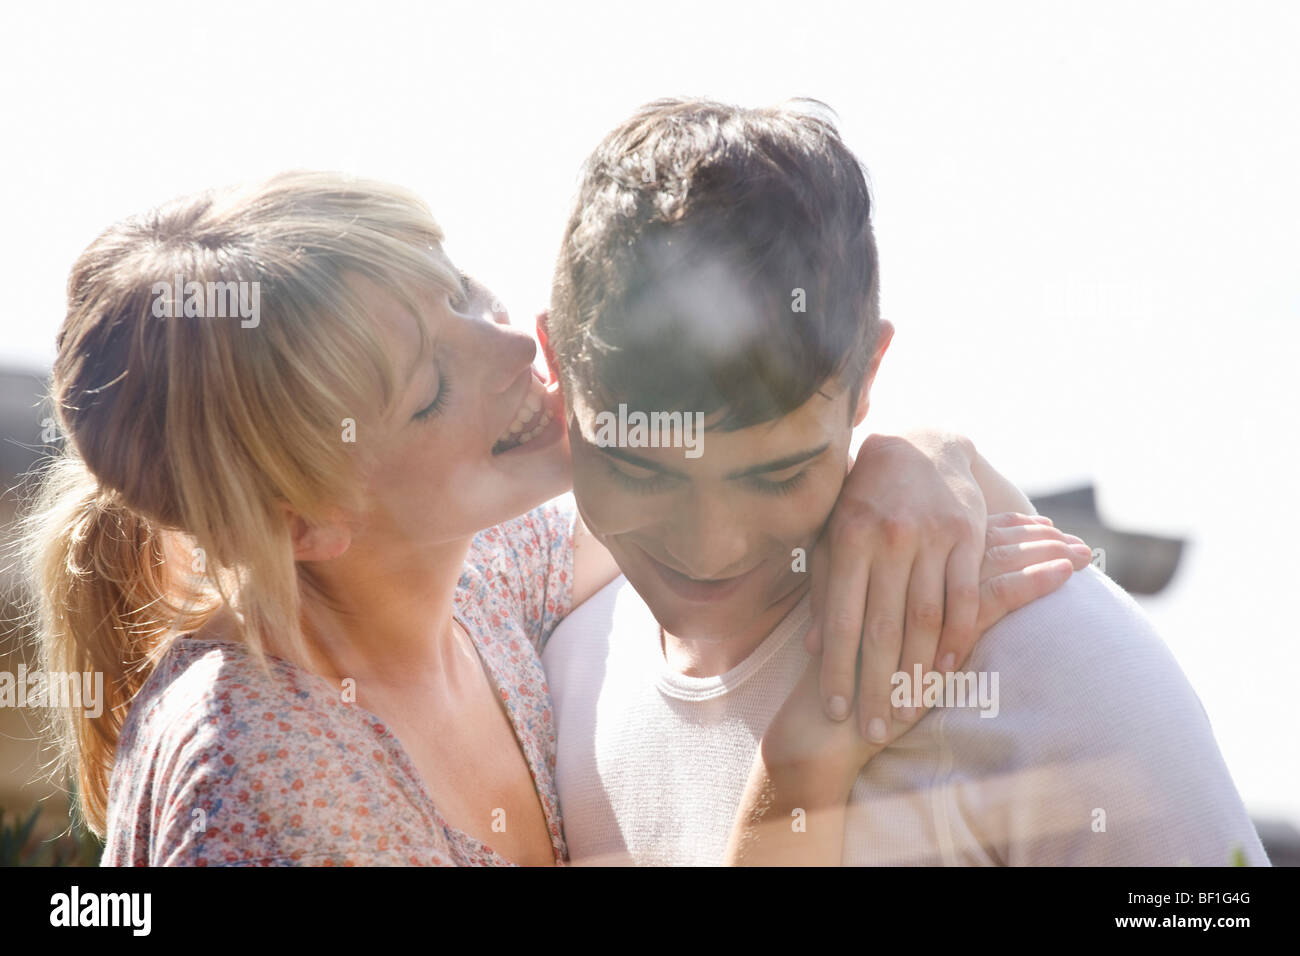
(23, 434)
(1139, 563)
(22, 392)
(1281, 841)
(23, 785)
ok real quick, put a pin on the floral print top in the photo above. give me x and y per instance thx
(221, 764)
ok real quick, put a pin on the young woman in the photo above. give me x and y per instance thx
(268, 533)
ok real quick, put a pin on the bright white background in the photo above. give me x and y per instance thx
(1086, 215)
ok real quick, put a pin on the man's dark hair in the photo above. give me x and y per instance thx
(698, 232)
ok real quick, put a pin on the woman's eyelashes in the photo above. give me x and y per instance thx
(439, 402)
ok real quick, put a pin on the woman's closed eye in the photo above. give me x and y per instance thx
(439, 402)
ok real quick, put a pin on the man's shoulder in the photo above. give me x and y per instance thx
(1079, 673)
(1094, 720)
(1089, 633)
(599, 650)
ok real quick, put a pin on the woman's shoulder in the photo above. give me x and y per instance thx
(204, 686)
(210, 712)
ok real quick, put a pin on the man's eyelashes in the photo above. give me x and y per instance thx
(657, 482)
(649, 485)
(785, 487)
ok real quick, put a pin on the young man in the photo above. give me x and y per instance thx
(720, 264)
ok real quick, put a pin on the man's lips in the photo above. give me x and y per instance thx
(693, 589)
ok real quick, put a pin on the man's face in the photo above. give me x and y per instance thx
(709, 541)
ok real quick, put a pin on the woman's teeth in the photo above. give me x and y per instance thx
(529, 421)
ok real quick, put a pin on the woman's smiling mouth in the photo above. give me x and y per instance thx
(535, 420)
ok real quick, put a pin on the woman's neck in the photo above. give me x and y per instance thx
(385, 623)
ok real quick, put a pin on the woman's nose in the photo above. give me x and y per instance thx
(507, 352)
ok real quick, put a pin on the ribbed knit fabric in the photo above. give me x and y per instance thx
(1100, 753)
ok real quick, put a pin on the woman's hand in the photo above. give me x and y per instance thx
(896, 574)
(1023, 560)
(807, 763)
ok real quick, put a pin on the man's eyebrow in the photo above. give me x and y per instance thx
(778, 464)
(781, 464)
(615, 452)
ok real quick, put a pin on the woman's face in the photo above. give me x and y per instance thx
(474, 437)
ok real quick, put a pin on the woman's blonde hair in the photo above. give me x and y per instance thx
(187, 437)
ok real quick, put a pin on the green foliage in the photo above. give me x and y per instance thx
(20, 847)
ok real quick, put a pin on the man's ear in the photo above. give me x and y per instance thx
(317, 542)
(552, 366)
(883, 338)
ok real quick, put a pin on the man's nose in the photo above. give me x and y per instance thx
(709, 540)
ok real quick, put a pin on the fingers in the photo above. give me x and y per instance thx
(924, 623)
(841, 623)
(961, 607)
(882, 644)
(1003, 558)
(1004, 593)
(1015, 517)
(1013, 534)
(812, 638)
(917, 610)
(1014, 543)
(1009, 536)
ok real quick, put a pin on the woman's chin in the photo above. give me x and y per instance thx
(532, 478)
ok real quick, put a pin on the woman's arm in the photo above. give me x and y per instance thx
(593, 565)
(793, 809)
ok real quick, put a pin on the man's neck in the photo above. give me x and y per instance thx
(717, 654)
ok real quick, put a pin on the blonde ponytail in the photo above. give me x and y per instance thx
(104, 607)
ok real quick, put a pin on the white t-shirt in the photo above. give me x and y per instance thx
(1100, 751)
